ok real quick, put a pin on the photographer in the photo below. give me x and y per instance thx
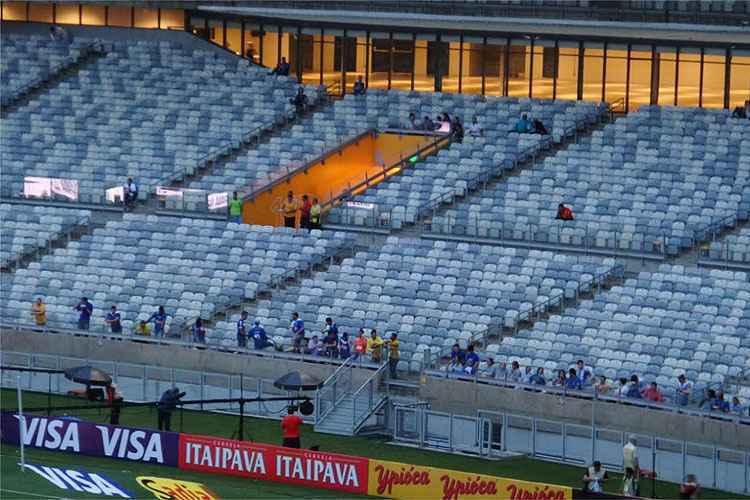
(167, 404)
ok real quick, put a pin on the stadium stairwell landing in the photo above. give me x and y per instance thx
(347, 170)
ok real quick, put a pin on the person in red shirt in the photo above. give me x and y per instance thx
(290, 429)
(652, 393)
(564, 213)
(304, 221)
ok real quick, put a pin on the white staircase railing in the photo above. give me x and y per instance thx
(366, 399)
(336, 387)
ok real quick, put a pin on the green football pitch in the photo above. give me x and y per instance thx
(17, 484)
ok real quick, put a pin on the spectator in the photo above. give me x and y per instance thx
(315, 211)
(143, 329)
(199, 332)
(491, 369)
(523, 125)
(290, 429)
(428, 124)
(259, 336)
(602, 386)
(573, 383)
(84, 308)
(634, 388)
(39, 311)
(58, 34)
(684, 390)
(538, 377)
(304, 211)
(624, 387)
(445, 124)
(564, 213)
(289, 209)
(344, 347)
(584, 372)
(629, 483)
(360, 345)
(527, 374)
(298, 332)
(456, 363)
(242, 330)
(739, 112)
(652, 393)
(475, 129)
(313, 346)
(331, 338)
(359, 87)
(709, 396)
(720, 404)
(471, 361)
(516, 375)
(690, 488)
(457, 130)
(630, 457)
(300, 101)
(538, 127)
(131, 193)
(393, 355)
(413, 124)
(595, 478)
(235, 209)
(375, 346)
(737, 407)
(167, 405)
(560, 380)
(114, 398)
(113, 320)
(160, 322)
(281, 69)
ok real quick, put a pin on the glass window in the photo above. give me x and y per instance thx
(473, 64)
(216, 31)
(93, 15)
(494, 68)
(42, 13)
(403, 64)
(739, 85)
(252, 43)
(542, 65)
(451, 71)
(271, 53)
(593, 70)
(667, 60)
(379, 63)
(427, 57)
(173, 19)
(689, 78)
(14, 11)
(331, 75)
(713, 79)
(567, 73)
(310, 58)
(64, 14)
(145, 18)
(360, 68)
(120, 16)
(617, 66)
(639, 93)
(518, 70)
(234, 37)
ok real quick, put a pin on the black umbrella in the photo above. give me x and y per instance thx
(88, 375)
(298, 381)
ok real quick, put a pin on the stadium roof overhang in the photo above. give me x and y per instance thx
(617, 32)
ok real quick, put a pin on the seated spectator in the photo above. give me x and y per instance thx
(584, 372)
(457, 130)
(560, 380)
(39, 311)
(523, 125)
(538, 377)
(360, 345)
(313, 346)
(652, 393)
(564, 213)
(527, 374)
(634, 388)
(739, 112)
(537, 127)
(143, 329)
(428, 124)
(573, 382)
(375, 347)
(259, 336)
(684, 390)
(199, 333)
(491, 369)
(709, 396)
(475, 130)
(413, 124)
(344, 347)
(457, 359)
(515, 375)
(720, 404)
(690, 488)
(359, 87)
(300, 101)
(445, 124)
(737, 407)
(595, 478)
(281, 69)
(602, 386)
(471, 361)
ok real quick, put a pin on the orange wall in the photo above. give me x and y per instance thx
(333, 176)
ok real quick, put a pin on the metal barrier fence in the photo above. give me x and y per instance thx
(492, 434)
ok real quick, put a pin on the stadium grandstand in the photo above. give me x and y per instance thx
(502, 229)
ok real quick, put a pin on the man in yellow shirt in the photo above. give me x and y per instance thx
(375, 346)
(143, 329)
(39, 311)
(289, 209)
(393, 355)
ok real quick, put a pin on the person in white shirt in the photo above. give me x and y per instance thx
(475, 129)
(684, 390)
(594, 478)
(131, 193)
(630, 457)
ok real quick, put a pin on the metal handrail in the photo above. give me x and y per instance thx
(330, 384)
(371, 403)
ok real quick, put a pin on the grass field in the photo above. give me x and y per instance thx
(265, 431)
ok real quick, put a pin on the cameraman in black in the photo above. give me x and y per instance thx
(168, 404)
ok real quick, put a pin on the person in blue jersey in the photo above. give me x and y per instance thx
(457, 359)
(199, 332)
(331, 338)
(85, 309)
(523, 125)
(297, 328)
(242, 330)
(573, 382)
(538, 377)
(160, 321)
(259, 336)
(113, 320)
(471, 361)
(345, 349)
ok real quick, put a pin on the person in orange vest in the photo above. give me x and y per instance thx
(290, 431)
(360, 345)
(564, 213)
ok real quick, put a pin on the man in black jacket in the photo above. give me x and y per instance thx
(167, 404)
